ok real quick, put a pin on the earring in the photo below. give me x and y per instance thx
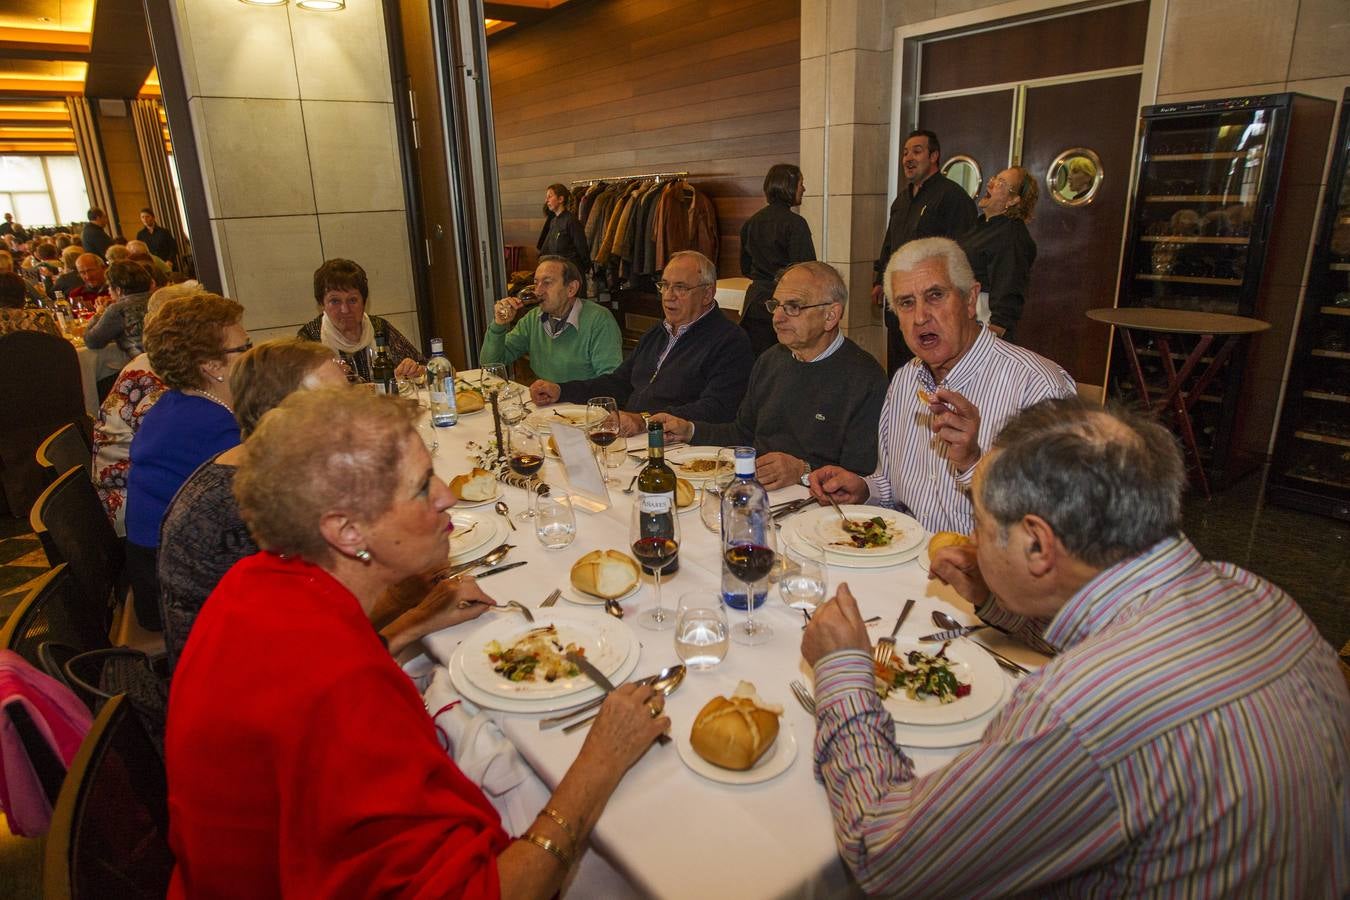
(219, 378)
(363, 554)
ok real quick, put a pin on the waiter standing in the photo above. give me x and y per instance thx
(929, 205)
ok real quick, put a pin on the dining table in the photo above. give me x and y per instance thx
(670, 831)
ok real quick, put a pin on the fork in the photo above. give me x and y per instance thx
(803, 696)
(884, 651)
(551, 598)
(508, 606)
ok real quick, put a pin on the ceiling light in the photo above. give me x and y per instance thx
(264, 2)
(322, 5)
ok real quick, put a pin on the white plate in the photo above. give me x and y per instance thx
(477, 530)
(541, 420)
(607, 642)
(936, 737)
(825, 529)
(795, 541)
(483, 699)
(474, 504)
(581, 598)
(971, 665)
(772, 764)
(689, 454)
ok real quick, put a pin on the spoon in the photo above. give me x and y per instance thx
(629, 489)
(945, 622)
(837, 509)
(664, 684)
(505, 512)
(614, 608)
(491, 558)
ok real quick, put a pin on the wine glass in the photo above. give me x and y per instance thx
(491, 377)
(347, 368)
(748, 547)
(602, 427)
(701, 629)
(655, 534)
(555, 522)
(526, 457)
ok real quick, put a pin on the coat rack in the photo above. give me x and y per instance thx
(659, 176)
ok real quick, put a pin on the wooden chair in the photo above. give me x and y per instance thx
(54, 610)
(40, 390)
(70, 523)
(110, 830)
(64, 448)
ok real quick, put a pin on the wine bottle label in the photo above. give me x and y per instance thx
(656, 503)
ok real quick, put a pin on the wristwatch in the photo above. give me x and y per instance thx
(806, 474)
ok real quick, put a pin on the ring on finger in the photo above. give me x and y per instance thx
(654, 709)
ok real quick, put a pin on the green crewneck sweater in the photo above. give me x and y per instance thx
(594, 347)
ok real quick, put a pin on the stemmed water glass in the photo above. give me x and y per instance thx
(655, 536)
(602, 427)
(526, 457)
(492, 377)
(749, 549)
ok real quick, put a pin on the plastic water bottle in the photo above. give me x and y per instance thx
(745, 493)
(441, 386)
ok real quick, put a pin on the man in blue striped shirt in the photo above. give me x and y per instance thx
(949, 401)
(1190, 739)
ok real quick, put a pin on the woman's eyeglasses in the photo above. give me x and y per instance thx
(242, 348)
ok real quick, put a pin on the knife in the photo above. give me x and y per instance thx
(594, 674)
(950, 634)
(504, 568)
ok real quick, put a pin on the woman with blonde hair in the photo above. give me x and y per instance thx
(1001, 250)
(193, 343)
(315, 770)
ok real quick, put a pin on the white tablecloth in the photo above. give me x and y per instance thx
(731, 293)
(96, 364)
(670, 831)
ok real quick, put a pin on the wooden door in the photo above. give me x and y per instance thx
(974, 125)
(1077, 247)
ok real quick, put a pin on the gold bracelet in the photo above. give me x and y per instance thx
(548, 845)
(562, 823)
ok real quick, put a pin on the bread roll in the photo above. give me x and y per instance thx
(684, 493)
(946, 539)
(480, 484)
(734, 732)
(469, 401)
(605, 573)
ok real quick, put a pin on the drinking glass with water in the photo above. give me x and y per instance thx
(804, 580)
(701, 629)
(555, 522)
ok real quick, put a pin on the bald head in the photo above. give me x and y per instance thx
(135, 247)
(91, 269)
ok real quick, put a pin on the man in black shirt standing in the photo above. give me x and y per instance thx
(94, 238)
(929, 205)
(160, 242)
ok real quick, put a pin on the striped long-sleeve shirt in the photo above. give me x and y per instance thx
(912, 465)
(1191, 740)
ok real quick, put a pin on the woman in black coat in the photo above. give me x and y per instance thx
(562, 235)
(771, 240)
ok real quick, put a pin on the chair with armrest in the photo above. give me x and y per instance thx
(65, 447)
(40, 390)
(54, 610)
(73, 529)
(109, 835)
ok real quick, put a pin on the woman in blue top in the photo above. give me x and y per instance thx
(193, 343)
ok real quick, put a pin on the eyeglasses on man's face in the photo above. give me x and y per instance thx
(791, 307)
(676, 288)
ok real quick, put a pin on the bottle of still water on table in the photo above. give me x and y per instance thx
(441, 385)
(746, 492)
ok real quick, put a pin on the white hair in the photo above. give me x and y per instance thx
(915, 253)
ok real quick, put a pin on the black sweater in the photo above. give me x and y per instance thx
(702, 379)
(823, 412)
(1001, 252)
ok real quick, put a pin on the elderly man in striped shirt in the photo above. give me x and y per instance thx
(947, 402)
(1190, 739)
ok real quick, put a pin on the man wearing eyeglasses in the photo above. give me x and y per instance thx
(695, 364)
(813, 399)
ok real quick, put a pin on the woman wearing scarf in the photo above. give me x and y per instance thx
(343, 325)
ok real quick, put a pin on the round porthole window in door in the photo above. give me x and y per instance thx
(1075, 176)
(965, 172)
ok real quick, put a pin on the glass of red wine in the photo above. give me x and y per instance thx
(655, 536)
(602, 428)
(526, 458)
(748, 547)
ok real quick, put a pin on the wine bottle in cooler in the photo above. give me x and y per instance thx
(656, 491)
(441, 386)
(745, 491)
(382, 369)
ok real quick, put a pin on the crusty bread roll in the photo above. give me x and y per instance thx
(684, 493)
(945, 539)
(469, 401)
(480, 484)
(605, 573)
(734, 732)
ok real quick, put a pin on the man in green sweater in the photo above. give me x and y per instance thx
(567, 338)
(814, 399)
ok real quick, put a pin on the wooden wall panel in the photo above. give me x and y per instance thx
(631, 86)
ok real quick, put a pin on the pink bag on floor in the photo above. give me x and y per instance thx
(59, 717)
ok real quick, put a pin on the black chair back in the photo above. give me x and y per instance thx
(64, 448)
(40, 390)
(69, 521)
(110, 830)
(54, 610)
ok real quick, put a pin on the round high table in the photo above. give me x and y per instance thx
(1178, 396)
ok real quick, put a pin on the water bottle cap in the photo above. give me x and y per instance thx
(437, 345)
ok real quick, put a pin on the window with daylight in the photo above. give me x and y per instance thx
(43, 190)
